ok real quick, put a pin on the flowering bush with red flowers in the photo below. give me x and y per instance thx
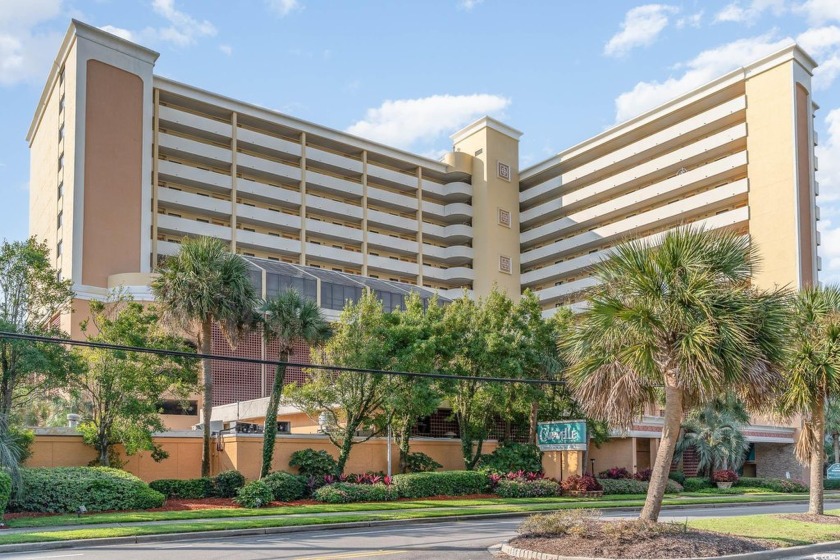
(643, 475)
(615, 473)
(725, 476)
(577, 483)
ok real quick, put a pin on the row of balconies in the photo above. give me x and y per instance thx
(678, 210)
(698, 178)
(725, 114)
(706, 150)
(575, 267)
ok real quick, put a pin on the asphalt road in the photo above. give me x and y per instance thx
(426, 541)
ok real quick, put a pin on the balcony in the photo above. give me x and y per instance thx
(268, 193)
(335, 161)
(452, 212)
(265, 242)
(452, 275)
(389, 199)
(266, 167)
(190, 202)
(193, 176)
(333, 254)
(552, 294)
(392, 265)
(455, 233)
(192, 149)
(267, 218)
(333, 231)
(334, 185)
(395, 244)
(262, 142)
(392, 222)
(170, 115)
(183, 226)
(389, 176)
(454, 255)
(335, 208)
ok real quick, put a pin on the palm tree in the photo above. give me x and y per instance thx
(715, 434)
(832, 426)
(679, 318)
(205, 284)
(813, 377)
(287, 318)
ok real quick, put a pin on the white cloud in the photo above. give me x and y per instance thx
(468, 5)
(820, 12)
(404, 122)
(693, 20)
(640, 28)
(705, 67)
(828, 176)
(226, 49)
(740, 12)
(25, 52)
(823, 43)
(284, 7)
(184, 29)
(119, 32)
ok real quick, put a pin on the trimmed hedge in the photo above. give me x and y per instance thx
(255, 494)
(678, 477)
(64, 489)
(189, 489)
(309, 462)
(345, 493)
(772, 484)
(227, 483)
(527, 488)
(446, 483)
(695, 483)
(632, 486)
(829, 484)
(5, 490)
(287, 487)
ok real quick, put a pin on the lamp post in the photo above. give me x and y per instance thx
(389, 450)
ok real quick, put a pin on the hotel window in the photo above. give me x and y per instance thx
(58, 249)
(59, 220)
(61, 162)
(60, 190)
(61, 133)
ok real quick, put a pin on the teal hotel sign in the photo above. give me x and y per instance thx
(565, 435)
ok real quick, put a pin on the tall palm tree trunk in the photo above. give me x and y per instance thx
(270, 431)
(817, 495)
(207, 405)
(665, 454)
(532, 422)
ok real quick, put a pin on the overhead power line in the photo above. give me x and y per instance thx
(240, 359)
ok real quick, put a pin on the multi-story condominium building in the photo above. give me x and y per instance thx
(125, 164)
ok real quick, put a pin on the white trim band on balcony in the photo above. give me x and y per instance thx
(188, 147)
(451, 274)
(189, 175)
(454, 233)
(187, 201)
(392, 200)
(389, 264)
(332, 254)
(263, 141)
(335, 208)
(172, 115)
(267, 242)
(267, 218)
(268, 193)
(184, 226)
(333, 231)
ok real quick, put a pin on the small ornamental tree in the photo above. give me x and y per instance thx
(676, 316)
(287, 318)
(121, 390)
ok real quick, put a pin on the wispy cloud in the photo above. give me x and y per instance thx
(284, 7)
(750, 12)
(640, 28)
(468, 5)
(183, 29)
(406, 122)
(226, 49)
(820, 12)
(119, 32)
(25, 51)
(702, 69)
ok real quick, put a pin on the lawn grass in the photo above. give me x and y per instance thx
(627, 500)
(783, 532)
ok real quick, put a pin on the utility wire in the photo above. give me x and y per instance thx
(181, 354)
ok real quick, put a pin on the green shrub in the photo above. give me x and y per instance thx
(695, 483)
(255, 494)
(829, 484)
(527, 488)
(5, 490)
(189, 489)
(446, 483)
(227, 483)
(345, 493)
(513, 457)
(420, 462)
(718, 491)
(286, 487)
(772, 484)
(309, 462)
(64, 489)
(678, 477)
(23, 438)
(632, 486)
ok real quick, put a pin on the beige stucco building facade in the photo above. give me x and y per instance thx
(125, 164)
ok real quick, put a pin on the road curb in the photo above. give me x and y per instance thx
(790, 552)
(197, 535)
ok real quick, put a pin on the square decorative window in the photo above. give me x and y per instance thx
(505, 264)
(504, 217)
(503, 170)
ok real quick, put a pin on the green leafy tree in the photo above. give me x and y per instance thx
(412, 335)
(204, 285)
(31, 297)
(481, 339)
(715, 433)
(287, 318)
(678, 317)
(352, 402)
(813, 377)
(123, 389)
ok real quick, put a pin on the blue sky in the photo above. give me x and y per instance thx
(409, 73)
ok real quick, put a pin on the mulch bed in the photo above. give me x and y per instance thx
(808, 518)
(692, 544)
